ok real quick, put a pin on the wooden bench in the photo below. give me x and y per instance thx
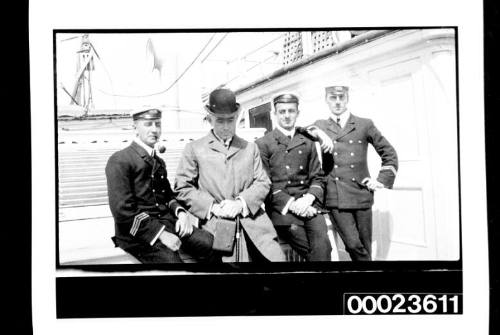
(85, 239)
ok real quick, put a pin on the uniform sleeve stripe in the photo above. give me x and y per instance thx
(137, 222)
(276, 192)
(389, 167)
(317, 186)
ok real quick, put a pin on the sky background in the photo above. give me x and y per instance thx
(125, 75)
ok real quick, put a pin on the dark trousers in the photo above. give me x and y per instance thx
(310, 240)
(355, 228)
(198, 244)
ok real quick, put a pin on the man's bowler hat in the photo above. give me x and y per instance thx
(222, 102)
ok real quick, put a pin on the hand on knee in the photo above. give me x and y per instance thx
(170, 240)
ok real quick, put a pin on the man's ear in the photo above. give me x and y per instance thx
(210, 119)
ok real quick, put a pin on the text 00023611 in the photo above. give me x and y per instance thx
(402, 303)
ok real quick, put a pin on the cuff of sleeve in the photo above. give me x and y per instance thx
(157, 235)
(285, 209)
(245, 211)
(179, 209)
(317, 191)
(390, 168)
(209, 214)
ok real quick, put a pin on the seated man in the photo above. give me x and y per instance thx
(149, 223)
(221, 175)
(298, 183)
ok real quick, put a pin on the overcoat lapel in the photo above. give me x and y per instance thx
(236, 145)
(142, 153)
(215, 144)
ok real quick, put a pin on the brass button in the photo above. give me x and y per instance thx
(336, 178)
(350, 141)
(353, 179)
(300, 151)
(334, 142)
(156, 205)
(359, 141)
(289, 182)
(335, 166)
(352, 153)
(352, 166)
(287, 167)
(302, 182)
(301, 167)
(335, 153)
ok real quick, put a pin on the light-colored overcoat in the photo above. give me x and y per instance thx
(208, 173)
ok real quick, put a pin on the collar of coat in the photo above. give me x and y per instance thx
(349, 126)
(297, 139)
(237, 144)
(145, 155)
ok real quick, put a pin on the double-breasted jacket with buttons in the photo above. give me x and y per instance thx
(140, 197)
(294, 169)
(347, 166)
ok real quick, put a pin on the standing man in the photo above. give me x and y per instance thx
(349, 192)
(149, 223)
(221, 175)
(298, 183)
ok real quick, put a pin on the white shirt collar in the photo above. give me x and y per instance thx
(286, 132)
(146, 147)
(343, 118)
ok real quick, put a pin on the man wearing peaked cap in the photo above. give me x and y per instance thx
(149, 222)
(344, 138)
(220, 176)
(298, 182)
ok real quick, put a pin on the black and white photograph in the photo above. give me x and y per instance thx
(222, 170)
(384, 178)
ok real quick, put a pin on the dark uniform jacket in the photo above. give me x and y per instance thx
(140, 197)
(294, 169)
(347, 166)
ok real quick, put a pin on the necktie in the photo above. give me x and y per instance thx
(338, 121)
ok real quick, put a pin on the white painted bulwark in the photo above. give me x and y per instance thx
(405, 81)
